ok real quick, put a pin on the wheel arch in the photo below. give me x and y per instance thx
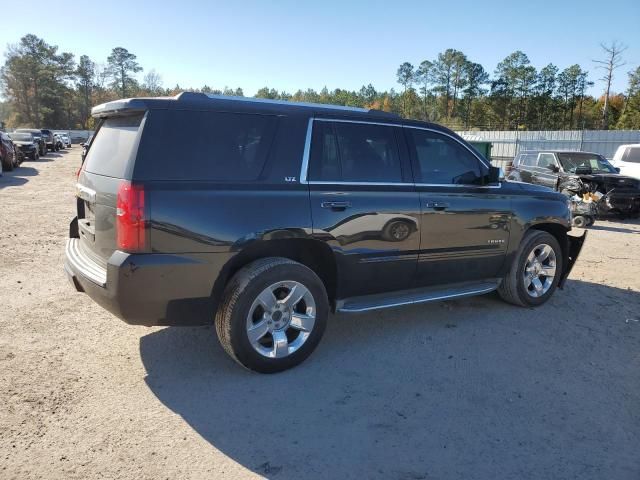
(314, 254)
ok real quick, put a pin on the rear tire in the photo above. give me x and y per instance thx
(7, 166)
(517, 286)
(262, 324)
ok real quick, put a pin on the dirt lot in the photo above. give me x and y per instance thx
(464, 389)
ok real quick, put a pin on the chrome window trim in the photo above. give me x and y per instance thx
(385, 184)
(449, 185)
(305, 155)
(307, 151)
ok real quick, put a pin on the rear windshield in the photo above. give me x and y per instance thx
(113, 146)
(201, 145)
(632, 154)
(21, 137)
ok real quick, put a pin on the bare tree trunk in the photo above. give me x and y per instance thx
(612, 62)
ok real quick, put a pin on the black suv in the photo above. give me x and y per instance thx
(271, 214)
(39, 138)
(577, 173)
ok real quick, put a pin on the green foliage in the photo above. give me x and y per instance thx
(46, 88)
(630, 116)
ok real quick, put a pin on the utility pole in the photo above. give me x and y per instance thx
(612, 62)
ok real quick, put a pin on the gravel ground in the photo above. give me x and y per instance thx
(462, 389)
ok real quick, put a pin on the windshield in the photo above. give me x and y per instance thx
(21, 137)
(597, 163)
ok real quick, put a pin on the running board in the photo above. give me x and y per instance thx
(367, 303)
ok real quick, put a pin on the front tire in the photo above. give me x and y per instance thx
(272, 315)
(535, 271)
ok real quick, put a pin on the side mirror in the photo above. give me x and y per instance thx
(496, 175)
(617, 169)
(553, 168)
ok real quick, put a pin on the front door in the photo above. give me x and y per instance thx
(464, 223)
(364, 204)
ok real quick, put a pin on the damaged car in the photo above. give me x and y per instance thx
(581, 175)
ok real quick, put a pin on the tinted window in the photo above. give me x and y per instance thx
(354, 152)
(113, 146)
(444, 161)
(195, 145)
(632, 154)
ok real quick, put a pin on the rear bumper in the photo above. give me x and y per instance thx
(148, 289)
(574, 247)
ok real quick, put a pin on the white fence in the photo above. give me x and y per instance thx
(507, 144)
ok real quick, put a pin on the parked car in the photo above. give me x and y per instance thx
(50, 140)
(627, 160)
(580, 173)
(8, 155)
(26, 144)
(39, 137)
(58, 142)
(66, 140)
(244, 231)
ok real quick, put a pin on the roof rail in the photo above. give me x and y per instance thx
(288, 103)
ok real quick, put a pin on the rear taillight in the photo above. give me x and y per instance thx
(130, 224)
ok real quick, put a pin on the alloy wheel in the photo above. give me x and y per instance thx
(280, 319)
(539, 270)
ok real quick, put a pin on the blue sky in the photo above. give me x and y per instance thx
(290, 44)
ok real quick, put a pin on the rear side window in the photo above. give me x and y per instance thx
(113, 146)
(444, 161)
(632, 155)
(354, 152)
(527, 159)
(204, 145)
(545, 160)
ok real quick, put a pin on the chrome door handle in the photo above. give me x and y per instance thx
(336, 205)
(437, 205)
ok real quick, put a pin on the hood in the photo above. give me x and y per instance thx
(612, 179)
(22, 143)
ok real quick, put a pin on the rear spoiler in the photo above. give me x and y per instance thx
(131, 106)
(126, 106)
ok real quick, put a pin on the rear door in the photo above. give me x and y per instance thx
(523, 167)
(364, 204)
(464, 223)
(109, 160)
(546, 170)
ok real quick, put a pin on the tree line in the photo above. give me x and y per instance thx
(45, 87)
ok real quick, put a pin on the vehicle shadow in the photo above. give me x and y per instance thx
(599, 225)
(474, 386)
(17, 176)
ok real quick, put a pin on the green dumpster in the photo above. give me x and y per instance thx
(484, 148)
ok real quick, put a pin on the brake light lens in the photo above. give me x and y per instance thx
(130, 223)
